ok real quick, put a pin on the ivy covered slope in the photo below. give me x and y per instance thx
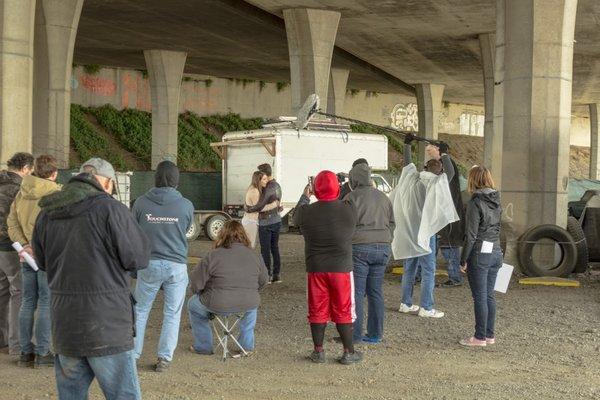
(125, 137)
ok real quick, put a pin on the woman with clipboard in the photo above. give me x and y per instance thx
(482, 256)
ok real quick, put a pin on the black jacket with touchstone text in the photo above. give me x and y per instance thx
(87, 242)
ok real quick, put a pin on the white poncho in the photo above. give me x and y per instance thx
(422, 207)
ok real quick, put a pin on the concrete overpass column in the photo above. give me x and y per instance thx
(495, 147)
(16, 76)
(537, 111)
(429, 108)
(487, 45)
(311, 38)
(56, 24)
(165, 70)
(337, 91)
(595, 142)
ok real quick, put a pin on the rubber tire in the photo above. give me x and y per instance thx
(583, 257)
(210, 229)
(553, 232)
(194, 231)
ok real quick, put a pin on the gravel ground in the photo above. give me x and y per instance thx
(548, 348)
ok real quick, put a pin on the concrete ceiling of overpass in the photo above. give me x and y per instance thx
(383, 43)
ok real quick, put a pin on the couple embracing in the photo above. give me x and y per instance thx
(262, 217)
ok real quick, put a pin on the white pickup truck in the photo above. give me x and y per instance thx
(295, 155)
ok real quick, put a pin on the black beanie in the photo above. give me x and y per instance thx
(359, 161)
(167, 175)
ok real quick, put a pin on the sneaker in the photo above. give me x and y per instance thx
(371, 339)
(472, 342)
(317, 357)
(450, 284)
(240, 354)
(162, 365)
(351, 358)
(44, 361)
(270, 280)
(433, 313)
(26, 360)
(490, 340)
(407, 310)
(193, 350)
(276, 279)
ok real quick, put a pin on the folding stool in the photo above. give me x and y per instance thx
(226, 323)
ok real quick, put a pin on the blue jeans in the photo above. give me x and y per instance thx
(203, 340)
(452, 256)
(482, 270)
(173, 278)
(370, 261)
(427, 264)
(116, 374)
(35, 295)
(269, 246)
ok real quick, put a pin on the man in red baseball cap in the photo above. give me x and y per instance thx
(328, 227)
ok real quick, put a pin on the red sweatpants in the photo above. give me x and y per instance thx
(330, 297)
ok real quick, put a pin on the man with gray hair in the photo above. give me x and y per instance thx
(88, 242)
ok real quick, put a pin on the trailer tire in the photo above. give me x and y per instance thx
(583, 256)
(552, 232)
(213, 226)
(194, 231)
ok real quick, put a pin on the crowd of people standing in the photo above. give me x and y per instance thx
(87, 245)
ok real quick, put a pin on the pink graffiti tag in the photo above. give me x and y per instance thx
(102, 86)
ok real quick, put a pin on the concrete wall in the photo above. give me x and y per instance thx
(205, 95)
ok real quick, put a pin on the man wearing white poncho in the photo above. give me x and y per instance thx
(422, 207)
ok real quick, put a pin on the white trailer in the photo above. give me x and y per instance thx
(295, 155)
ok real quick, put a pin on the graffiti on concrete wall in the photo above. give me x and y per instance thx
(405, 117)
(99, 85)
(471, 123)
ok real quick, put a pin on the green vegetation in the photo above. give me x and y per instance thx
(92, 69)
(132, 130)
(282, 85)
(87, 142)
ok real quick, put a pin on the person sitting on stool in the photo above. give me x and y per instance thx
(227, 281)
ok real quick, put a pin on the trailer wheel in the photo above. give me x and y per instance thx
(583, 257)
(562, 238)
(194, 231)
(213, 226)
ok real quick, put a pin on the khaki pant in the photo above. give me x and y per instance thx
(10, 300)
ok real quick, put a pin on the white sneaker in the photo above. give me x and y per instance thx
(406, 309)
(433, 313)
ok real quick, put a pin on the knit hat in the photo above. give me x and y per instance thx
(167, 175)
(326, 186)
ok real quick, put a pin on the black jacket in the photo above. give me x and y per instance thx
(271, 193)
(328, 228)
(453, 234)
(482, 222)
(87, 241)
(9, 187)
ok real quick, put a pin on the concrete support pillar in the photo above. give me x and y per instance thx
(487, 45)
(337, 91)
(538, 69)
(16, 76)
(595, 142)
(165, 70)
(495, 147)
(429, 109)
(311, 37)
(56, 24)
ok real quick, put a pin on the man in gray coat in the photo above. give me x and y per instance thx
(370, 250)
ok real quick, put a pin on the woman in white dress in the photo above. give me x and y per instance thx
(250, 220)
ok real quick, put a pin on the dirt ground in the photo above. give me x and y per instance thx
(548, 348)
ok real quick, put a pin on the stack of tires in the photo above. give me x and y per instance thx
(574, 256)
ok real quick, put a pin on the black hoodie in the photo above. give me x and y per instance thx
(9, 187)
(87, 242)
(482, 222)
